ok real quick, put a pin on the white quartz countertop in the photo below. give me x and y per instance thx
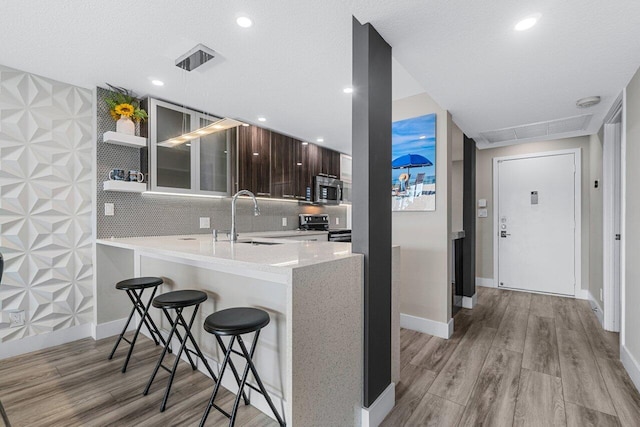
(286, 254)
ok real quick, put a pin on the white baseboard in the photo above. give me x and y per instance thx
(470, 302)
(631, 365)
(486, 282)
(427, 326)
(109, 329)
(596, 309)
(39, 342)
(582, 294)
(376, 413)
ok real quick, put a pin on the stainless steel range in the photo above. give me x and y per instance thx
(321, 223)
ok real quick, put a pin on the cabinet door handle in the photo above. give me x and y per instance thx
(288, 196)
(263, 194)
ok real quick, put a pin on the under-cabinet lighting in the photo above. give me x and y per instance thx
(164, 193)
(217, 126)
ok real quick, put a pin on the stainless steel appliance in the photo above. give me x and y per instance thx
(313, 222)
(327, 191)
(321, 223)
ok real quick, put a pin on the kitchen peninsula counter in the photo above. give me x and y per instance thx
(310, 355)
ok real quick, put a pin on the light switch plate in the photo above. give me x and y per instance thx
(205, 222)
(109, 209)
(284, 222)
(337, 221)
(482, 203)
(482, 213)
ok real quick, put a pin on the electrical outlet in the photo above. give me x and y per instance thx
(16, 318)
(284, 222)
(109, 209)
(205, 222)
(337, 221)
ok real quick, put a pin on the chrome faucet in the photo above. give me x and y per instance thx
(256, 211)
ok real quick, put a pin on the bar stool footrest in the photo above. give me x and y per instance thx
(225, 413)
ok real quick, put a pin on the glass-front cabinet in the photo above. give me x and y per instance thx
(180, 159)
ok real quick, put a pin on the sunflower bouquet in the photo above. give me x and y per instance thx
(123, 103)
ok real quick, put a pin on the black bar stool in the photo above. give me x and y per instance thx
(235, 322)
(135, 288)
(178, 301)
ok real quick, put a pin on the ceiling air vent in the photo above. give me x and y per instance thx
(195, 57)
(546, 130)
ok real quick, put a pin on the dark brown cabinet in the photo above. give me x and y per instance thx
(282, 166)
(254, 160)
(278, 166)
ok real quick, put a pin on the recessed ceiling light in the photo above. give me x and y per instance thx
(348, 90)
(320, 139)
(423, 137)
(157, 82)
(527, 22)
(244, 22)
(262, 119)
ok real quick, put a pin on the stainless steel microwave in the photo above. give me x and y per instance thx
(327, 191)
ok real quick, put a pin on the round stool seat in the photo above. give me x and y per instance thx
(139, 283)
(179, 299)
(236, 321)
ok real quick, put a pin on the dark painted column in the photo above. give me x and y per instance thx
(469, 219)
(371, 235)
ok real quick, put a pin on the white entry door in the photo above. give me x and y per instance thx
(536, 223)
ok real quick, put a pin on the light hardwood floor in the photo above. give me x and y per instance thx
(517, 359)
(75, 385)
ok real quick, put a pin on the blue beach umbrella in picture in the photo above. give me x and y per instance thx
(409, 161)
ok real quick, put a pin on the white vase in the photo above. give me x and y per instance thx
(125, 125)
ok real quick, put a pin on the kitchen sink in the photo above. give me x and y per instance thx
(254, 243)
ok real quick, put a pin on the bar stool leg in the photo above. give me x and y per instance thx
(144, 316)
(183, 324)
(148, 321)
(197, 349)
(182, 347)
(164, 352)
(249, 357)
(227, 357)
(233, 369)
(126, 325)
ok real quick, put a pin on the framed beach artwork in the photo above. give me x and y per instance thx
(413, 164)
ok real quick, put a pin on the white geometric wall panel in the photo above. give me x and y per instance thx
(46, 144)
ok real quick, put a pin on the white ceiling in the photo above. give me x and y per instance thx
(292, 65)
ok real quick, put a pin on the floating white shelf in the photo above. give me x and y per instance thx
(124, 186)
(124, 139)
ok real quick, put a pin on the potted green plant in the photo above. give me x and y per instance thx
(125, 109)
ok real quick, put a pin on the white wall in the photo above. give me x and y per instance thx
(424, 237)
(631, 234)
(46, 159)
(484, 190)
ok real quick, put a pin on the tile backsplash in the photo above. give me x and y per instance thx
(159, 215)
